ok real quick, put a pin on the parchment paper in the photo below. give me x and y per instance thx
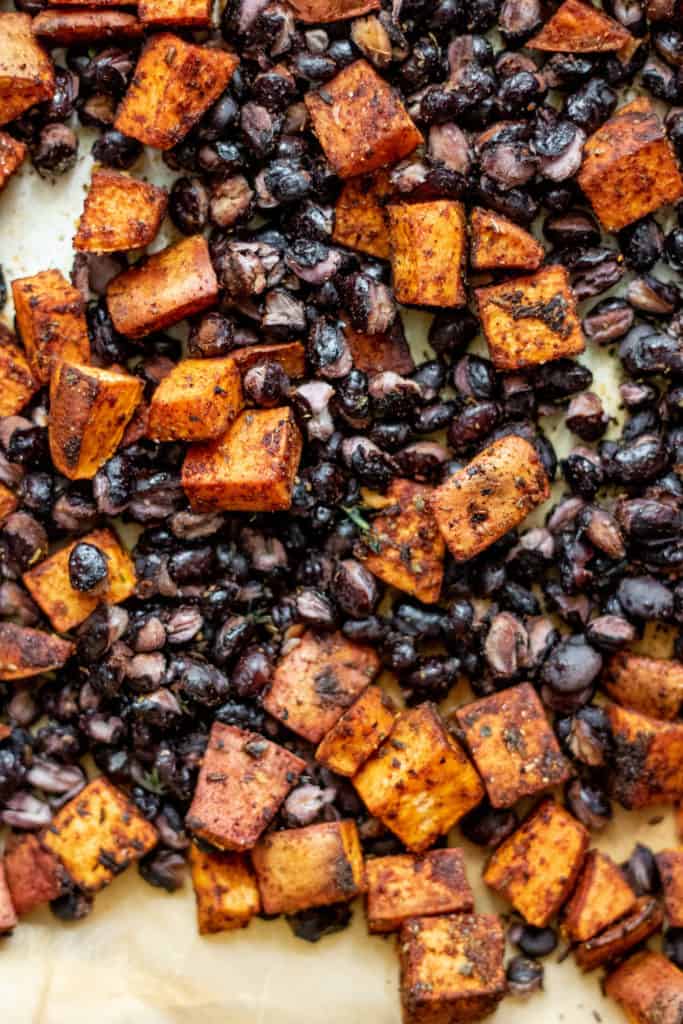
(137, 959)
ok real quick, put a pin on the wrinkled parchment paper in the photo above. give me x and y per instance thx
(137, 959)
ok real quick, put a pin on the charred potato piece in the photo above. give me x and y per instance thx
(12, 153)
(98, 834)
(529, 320)
(670, 864)
(580, 28)
(33, 874)
(374, 353)
(290, 355)
(119, 213)
(17, 383)
(512, 745)
(251, 468)
(8, 915)
(317, 680)
(497, 243)
(649, 989)
(451, 968)
(307, 867)
(51, 321)
(314, 11)
(27, 76)
(404, 886)
(419, 782)
(629, 168)
(225, 890)
(492, 494)
(165, 288)
(174, 84)
(242, 781)
(428, 251)
(69, 27)
(358, 733)
(535, 868)
(49, 586)
(186, 13)
(601, 897)
(647, 766)
(26, 652)
(360, 216)
(89, 411)
(653, 686)
(360, 122)
(196, 401)
(8, 503)
(611, 945)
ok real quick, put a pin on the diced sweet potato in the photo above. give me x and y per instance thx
(491, 495)
(225, 890)
(647, 766)
(188, 13)
(629, 168)
(49, 586)
(89, 411)
(98, 834)
(428, 251)
(196, 400)
(419, 782)
(360, 216)
(250, 469)
(242, 781)
(51, 321)
(174, 83)
(309, 867)
(27, 76)
(26, 652)
(406, 886)
(358, 733)
(8, 503)
(601, 897)
(670, 864)
(290, 355)
(497, 243)
(611, 945)
(317, 680)
(653, 686)
(92, 3)
(12, 153)
(33, 873)
(649, 989)
(535, 868)
(17, 383)
(404, 546)
(529, 320)
(580, 28)
(70, 27)
(360, 122)
(313, 11)
(5, 731)
(451, 968)
(8, 916)
(163, 289)
(512, 744)
(120, 212)
(374, 353)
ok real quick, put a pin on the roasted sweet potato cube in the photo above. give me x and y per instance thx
(27, 76)
(163, 289)
(188, 13)
(404, 546)
(309, 867)
(317, 680)
(17, 383)
(601, 897)
(611, 945)
(512, 744)
(290, 355)
(70, 27)
(491, 495)
(225, 890)
(120, 212)
(629, 168)
(529, 320)
(360, 122)
(497, 243)
(98, 834)
(89, 410)
(647, 766)
(314, 11)
(8, 915)
(428, 251)
(174, 83)
(51, 321)
(358, 732)
(196, 400)
(535, 868)
(451, 968)
(26, 652)
(649, 989)
(12, 153)
(406, 885)
(360, 216)
(577, 27)
(653, 686)
(242, 781)
(251, 468)
(49, 585)
(33, 874)
(8, 503)
(419, 782)
(670, 864)
(374, 353)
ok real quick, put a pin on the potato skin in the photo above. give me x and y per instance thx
(360, 122)
(653, 686)
(225, 890)
(611, 945)
(33, 874)
(186, 13)
(51, 321)
(497, 243)
(428, 250)
(26, 652)
(12, 154)
(404, 885)
(649, 989)
(17, 383)
(601, 897)
(69, 27)
(119, 213)
(576, 27)
(360, 216)
(358, 732)
(27, 76)
(290, 355)
(647, 766)
(196, 401)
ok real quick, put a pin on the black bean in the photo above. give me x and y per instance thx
(642, 871)
(524, 976)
